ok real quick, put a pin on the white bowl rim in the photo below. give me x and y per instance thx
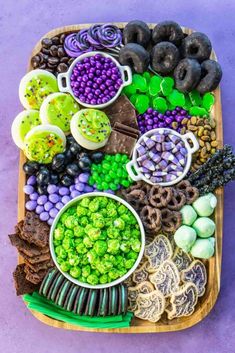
(68, 74)
(117, 281)
(187, 146)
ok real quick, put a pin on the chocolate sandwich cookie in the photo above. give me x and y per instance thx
(92, 300)
(80, 301)
(103, 307)
(53, 285)
(70, 297)
(122, 299)
(113, 301)
(57, 284)
(62, 293)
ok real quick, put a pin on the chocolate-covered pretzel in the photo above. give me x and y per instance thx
(171, 220)
(177, 200)
(151, 218)
(159, 196)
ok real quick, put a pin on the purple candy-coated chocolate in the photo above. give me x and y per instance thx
(31, 205)
(44, 216)
(72, 188)
(54, 198)
(50, 221)
(51, 189)
(33, 196)
(88, 188)
(39, 209)
(59, 205)
(28, 189)
(53, 212)
(65, 199)
(80, 186)
(42, 199)
(48, 205)
(32, 180)
(63, 191)
(74, 194)
(83, 177)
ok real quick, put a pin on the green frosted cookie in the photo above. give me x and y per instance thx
(43, 142)
(35, 86)
(22, 124)
(58, 109)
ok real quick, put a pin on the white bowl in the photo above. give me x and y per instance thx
(138, 175)
(64, 85)
(117, 281)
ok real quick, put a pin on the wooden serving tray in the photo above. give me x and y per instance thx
(206, 303)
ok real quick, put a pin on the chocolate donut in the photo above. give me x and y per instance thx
(135, 56)
(137, 32)
(211, 76)
(164, 57)
(196, 46)
(187, 74)
(167, 31)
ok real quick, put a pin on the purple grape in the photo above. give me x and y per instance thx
(33, 196)
(44, 216)
(28, 189)
(52, 189)
(65, 199)
(53, 212)
(42, 199)
(79, 186)
(31, 205)
(54, 198)
(32, 180)
(63, 191)
(39, 209)
(48, 205)
(59, 205)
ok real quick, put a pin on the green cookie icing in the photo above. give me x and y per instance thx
(94, 125)
(30, 120)
(42, 146)
(38, 88)
(60, 111)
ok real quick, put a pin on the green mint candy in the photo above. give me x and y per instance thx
(198, 111)
(208, 101)
(142, 103)
(139, 83)
(167, 85)
(176, 98)
(160, 104)
(155, 85)
(195, 98)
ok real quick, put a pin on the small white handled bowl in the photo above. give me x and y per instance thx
(134, 170)
(64, 85)
(73, 202)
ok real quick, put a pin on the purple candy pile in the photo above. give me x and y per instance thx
(47, 206)
(161, 157)
(173, 119)
(95, 80)
(96, 37)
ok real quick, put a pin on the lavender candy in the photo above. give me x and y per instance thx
(80, 187)
(170, 177)
(183, 151)
(177, 173)
(140, 159)
(158, 138)
(59, 205)
(143, 170)
(156, 180)
(52, 189)
(181, 158)
(88, 188)
(167, 146)
(171, 167)
(147, 175)
(159, 173)
(141, 150)
(162, 164)
(149, 142)
(155, 157)
(83, 177)
(167, 156)
(158, 147)
(50, 221)
(65, 199)
(177, 147)
(175, 139)
(148, 164)
(44, 216)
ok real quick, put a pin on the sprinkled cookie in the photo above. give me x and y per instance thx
(150, 306)
(141, 274)
(183, 301)
(158, 251)
(181, 259)
(196, 273)
(166, 279)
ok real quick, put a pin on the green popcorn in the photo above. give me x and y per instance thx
(92, 256)
(119, 223)
(100, 247)
(103, 279)
(75, 272)
(86, 271)
(93, 279)
(79, 231)
(103, 202)
(94, 205)
(113, 246)
(81, 211)
(87, 242)
(112, 232)
(84, 221)
(94, 233)
(69, 233)
(136, 245)
(69, 222)
(113, 274)
(81, 249)
(67, 243)
(121, 210)
(125, 246)
(60, 252)
(73, 260)
(65, 266)
(85, 202)
(132, 255)
(59, 233)
(129, 263)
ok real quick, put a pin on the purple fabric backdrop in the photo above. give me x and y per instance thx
(22, 23)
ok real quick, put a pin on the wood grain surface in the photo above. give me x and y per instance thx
(206, 303)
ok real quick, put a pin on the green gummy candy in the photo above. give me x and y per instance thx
(129, 90)
(195, 98)
(167, 85)
(208, 101)
(147, 76)
(142, 103)
(139, 83)
(176, 98)
(188, 103)
(198, 111)
(155, 85)
(160, 104)
(133, 98)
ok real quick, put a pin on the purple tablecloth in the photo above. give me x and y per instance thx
(22, 23)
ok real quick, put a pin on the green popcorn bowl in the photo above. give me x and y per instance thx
(73, 203)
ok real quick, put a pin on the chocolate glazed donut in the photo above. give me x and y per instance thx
(187, 75)
(164, 57)
(167, 31)
(211, 76)
(196, 46)
(137, 32)
(135, 56)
